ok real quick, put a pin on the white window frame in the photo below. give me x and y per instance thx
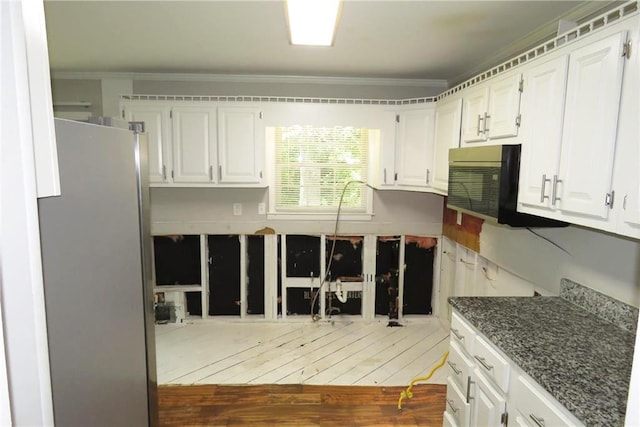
(320, 115)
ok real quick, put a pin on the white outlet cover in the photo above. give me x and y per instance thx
(237, 209)
(262, 209)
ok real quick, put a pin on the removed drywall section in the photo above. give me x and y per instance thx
(224, 275)
(418, 275)
(387, 270)
(255, 274)
(177, 260)
(600, 261)
(303, 256)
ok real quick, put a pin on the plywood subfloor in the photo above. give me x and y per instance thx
(299, 405)
(342, 352)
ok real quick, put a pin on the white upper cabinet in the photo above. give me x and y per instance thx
(194, 144)
(240, 145)
(589, 130)
(157, 126)
(626, 181)
(446, 136)
(492, 110)
(199, 144)
(568, 176)
(414, 147)
(542, 107)
(475, 106)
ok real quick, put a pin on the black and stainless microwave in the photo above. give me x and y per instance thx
(483, 181)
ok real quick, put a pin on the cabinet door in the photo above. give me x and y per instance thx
(240, 145)
(489, 406)
(630, 197)
(589, 131)
(474, 106)
(542, 110)
(504, 105)
(384, 152)
(446, 136)
(626, 171)
(157, 126)
(415, 147)
(194, 142)
(457, 406)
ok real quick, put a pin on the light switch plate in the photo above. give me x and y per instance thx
(458, 217)
(237, 209)
(262, 209)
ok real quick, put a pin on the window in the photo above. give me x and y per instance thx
(314, 164)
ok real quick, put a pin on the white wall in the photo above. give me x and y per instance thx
(78, 91)
(210, 211)
(601, 261)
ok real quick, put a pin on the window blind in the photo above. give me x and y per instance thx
(313, 165)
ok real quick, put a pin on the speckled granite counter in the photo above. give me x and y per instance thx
(581, 360)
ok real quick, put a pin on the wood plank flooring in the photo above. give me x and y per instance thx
(299, 405)
(340, 352)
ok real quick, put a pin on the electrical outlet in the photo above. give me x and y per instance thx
(458, 217)
(237, 209)
(262, 209)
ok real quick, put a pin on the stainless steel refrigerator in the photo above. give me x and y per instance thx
(95, 241)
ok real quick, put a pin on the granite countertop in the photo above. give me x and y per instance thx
(581, 360)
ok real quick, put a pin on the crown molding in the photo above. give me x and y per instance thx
(249, 78)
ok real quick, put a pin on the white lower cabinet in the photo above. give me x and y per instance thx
(535, 407)
(458, 407)
(489, 406)
(485, 388)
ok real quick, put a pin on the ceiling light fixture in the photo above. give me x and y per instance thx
(312, 22)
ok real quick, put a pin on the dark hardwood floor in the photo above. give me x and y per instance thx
(299, 405)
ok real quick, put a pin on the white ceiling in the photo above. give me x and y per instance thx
(420, 39)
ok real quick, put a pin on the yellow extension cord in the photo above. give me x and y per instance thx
(407, 393)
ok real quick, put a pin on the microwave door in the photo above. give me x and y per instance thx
(475, 189)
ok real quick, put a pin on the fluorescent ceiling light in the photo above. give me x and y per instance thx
(312, 22)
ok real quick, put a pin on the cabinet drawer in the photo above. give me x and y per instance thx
(492, 364)
(462, 332)
(536, 407)
(459, 364)
(456, 404)
(448, 421)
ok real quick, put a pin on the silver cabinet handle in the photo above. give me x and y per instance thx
(479, 120)
(453, 366)
(544, 183)
(210, 173)
(453, 408)
(538, 421)
(470, 264)
(457, 334)
(554, 190)
(483, 362)
(384, 174)
(469, 382)
(486, 119)
(427, 176)
(164, 173)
